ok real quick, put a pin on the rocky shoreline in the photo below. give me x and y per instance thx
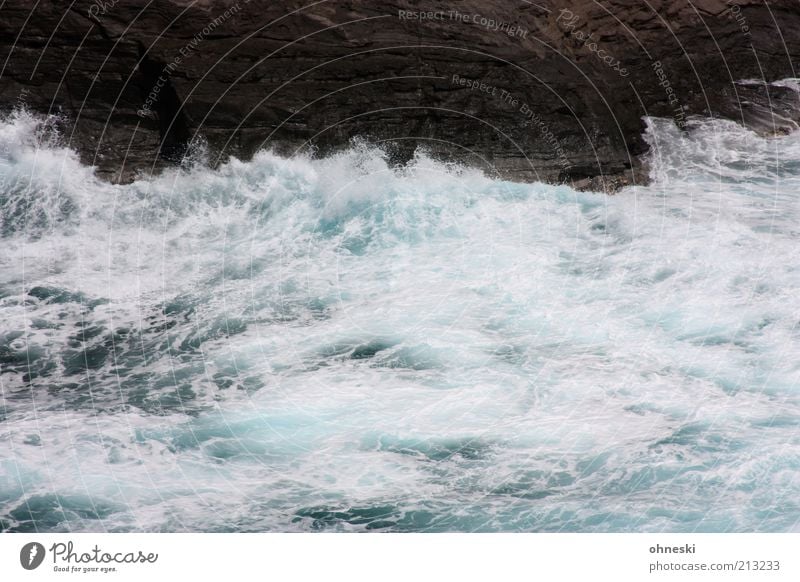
(549, 90)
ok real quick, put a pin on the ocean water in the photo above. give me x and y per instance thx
(340, 345)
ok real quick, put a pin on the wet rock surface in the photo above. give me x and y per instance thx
(551, 90)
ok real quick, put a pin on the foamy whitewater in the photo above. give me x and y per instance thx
(302, 345)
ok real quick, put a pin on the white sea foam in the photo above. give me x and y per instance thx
(307, 344)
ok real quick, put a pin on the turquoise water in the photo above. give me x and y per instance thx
(339, 345)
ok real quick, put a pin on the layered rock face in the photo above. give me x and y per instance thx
(551, 90)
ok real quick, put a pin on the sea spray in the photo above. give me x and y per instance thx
(339, 344)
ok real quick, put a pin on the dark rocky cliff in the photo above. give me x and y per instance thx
(551, 89)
